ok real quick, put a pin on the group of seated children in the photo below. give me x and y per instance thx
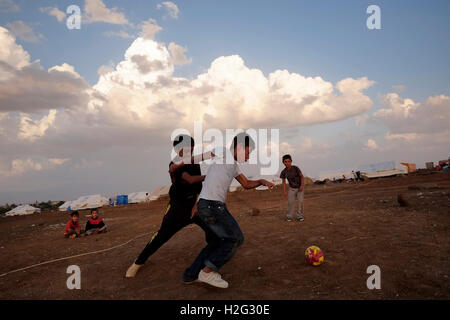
(95, 224)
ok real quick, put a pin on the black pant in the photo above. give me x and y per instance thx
(177, 217)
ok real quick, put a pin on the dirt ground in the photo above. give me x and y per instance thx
(355, 224)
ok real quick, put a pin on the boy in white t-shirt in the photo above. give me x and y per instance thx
(212, 210)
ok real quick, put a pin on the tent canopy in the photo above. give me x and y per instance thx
(158, 192)
(137, 197)
(89, 202)
(22, 210)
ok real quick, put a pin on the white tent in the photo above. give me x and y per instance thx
(65, 206)
(137, 197)
(158, 192)
(385, 173)
(89, 202)
(22, 210)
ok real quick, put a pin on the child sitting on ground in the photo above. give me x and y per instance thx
(73, 228)
(95, 224)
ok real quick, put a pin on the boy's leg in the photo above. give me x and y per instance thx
(292, 197)
(300, 197)
(226, 229)
(191, 273)
(69, 233)
(169, 226)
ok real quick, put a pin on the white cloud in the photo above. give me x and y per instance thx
(34, 129)
(24, 32)
(55, 12)
(11, 53)
(8, 6)
(19, 167)
(149, 29)
(121, 34)
(371, 145)
(403, 115)
(138, 102)
(177, 53)
(171, 7)
(104, 70)
(96, 11)
(27, 87)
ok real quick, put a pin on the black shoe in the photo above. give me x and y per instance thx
(188, 280)
(300, 219)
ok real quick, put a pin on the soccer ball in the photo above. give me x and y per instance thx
(314, 255)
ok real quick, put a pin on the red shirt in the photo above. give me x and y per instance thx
(72, 225)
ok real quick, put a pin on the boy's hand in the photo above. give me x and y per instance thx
(194, 211)
(268, 184)
(301, 188)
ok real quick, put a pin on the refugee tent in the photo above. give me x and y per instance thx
(337, 175)
(65, 206)
(22, 210)
(159, 192)
(385, 173)
(137, 197)
(89, 202)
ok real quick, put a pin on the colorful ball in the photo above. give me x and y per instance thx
(314, 255)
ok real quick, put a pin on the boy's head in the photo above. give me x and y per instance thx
(183, 142)
(287, 160)
(75, 215)
(242, 146)
(94, 213)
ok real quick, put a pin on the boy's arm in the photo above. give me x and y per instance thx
(252, 184)
(194, 159)
(302, 181)
(192, 179)
(284, 187)
(194, 210)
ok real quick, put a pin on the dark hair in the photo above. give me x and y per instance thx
(182, 141)
(75, 213)
(95, 209)
(287, 156)
(242, 138)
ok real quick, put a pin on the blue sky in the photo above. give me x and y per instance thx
(328, 39)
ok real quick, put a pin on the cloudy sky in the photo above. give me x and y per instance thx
(91, 110)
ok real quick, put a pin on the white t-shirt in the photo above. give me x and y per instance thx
(219, 177)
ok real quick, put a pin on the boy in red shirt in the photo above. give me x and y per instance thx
(73, 228)
(95, 224)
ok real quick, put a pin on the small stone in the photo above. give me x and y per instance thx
(401, 199)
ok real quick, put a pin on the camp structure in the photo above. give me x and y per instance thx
(65, 206)
(22, 211)
(89, 202)
(138, 197)
(159, 192)
(383, 169)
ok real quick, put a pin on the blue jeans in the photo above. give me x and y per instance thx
(226, 236)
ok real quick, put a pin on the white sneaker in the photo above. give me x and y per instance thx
(213, 278)
(132, 270)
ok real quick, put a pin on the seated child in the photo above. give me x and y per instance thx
(95, 224)
(73, 228)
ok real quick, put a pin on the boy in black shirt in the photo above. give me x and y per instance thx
(95, 224)
(186, 186)
(295, 192)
